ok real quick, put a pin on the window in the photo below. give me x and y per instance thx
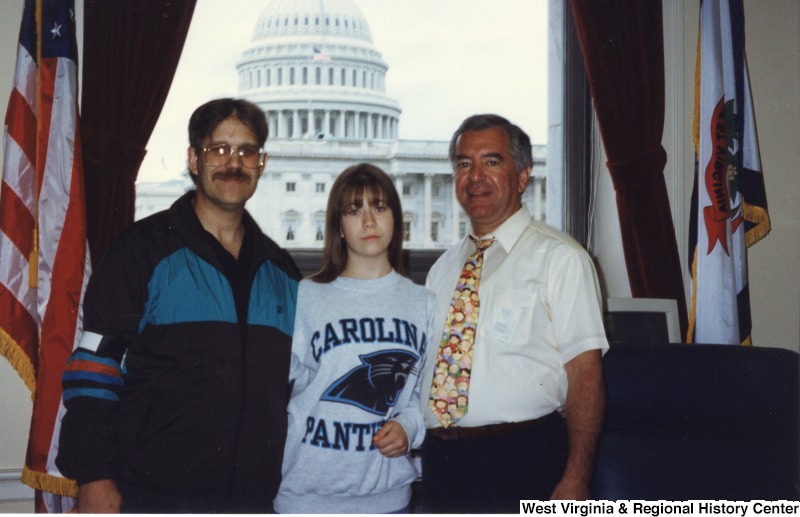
(568, 158)
(363, 75)
(319, 188)
(406, 231)
(463, 224)
(290, 222)
(435, 231)
(319, 223)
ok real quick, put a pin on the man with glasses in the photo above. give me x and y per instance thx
(176, 397)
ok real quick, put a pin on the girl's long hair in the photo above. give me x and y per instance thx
(350, 188)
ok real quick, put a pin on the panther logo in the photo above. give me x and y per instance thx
(375, 385)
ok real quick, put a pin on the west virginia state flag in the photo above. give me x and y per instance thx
(729, 207)
(44, 260)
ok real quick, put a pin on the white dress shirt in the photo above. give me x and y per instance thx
(540, 308)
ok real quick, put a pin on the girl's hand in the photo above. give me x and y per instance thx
(391, 440)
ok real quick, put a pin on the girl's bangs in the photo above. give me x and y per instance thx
(354, 194)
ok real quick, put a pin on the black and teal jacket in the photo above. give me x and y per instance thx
(180, 383)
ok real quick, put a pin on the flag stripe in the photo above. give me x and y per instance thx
(16, 318)
(16, 222)
(15, 276)
(25, 76)
(21, 128)
(18, 337)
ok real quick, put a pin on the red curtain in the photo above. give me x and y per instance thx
(623, 49)
(131, 49)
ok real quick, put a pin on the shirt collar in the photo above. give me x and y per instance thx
(509, 232)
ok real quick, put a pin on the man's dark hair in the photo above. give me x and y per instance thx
(207, 117)
(520, 142)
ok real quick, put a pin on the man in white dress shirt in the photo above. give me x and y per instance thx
(536, 394)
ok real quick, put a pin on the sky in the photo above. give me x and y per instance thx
(447, 59)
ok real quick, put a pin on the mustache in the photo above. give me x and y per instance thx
(234, 174)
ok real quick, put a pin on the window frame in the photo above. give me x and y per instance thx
(570, 119)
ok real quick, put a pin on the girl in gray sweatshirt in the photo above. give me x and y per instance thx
(361, 338)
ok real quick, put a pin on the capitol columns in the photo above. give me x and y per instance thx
(340, 120)
(297, 130)
(455, 210)
(283, 125)
(326, 123)
(427, 209)
(398, 183)
(537, 198)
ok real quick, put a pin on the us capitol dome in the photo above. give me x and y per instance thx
(312, 67)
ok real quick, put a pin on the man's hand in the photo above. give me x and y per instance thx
(585, 409)
(391, 440)
(101, 496)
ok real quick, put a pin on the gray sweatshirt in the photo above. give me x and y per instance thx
(358, 349)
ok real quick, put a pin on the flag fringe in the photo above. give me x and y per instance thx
(693, 306)
(19, 361)
(760, 217)
(49, 483)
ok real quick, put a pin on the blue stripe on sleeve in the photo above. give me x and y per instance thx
(70, 376)
(96, 393)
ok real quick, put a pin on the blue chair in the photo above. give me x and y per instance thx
(687, 422)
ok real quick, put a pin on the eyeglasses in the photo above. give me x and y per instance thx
(218, 155)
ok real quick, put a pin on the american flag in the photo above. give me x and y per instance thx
(320, 56)
(44, 259)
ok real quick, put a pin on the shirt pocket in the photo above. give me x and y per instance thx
(506, 314)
